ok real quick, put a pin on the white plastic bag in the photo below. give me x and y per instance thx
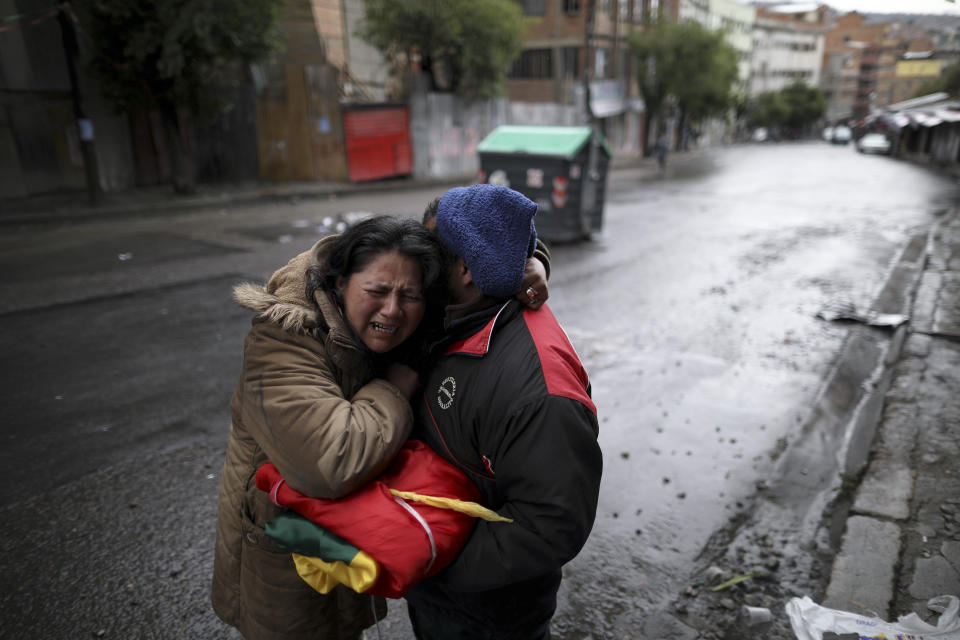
(810, 621)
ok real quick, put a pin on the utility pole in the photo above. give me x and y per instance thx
(588, 59)
(588, 196)
(84, 125)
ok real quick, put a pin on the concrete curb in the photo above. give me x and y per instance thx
(858, 577)
(865, 570)
(806, 504)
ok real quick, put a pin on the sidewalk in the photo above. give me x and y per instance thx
(901, 545)
(161, 199)
(75, 205)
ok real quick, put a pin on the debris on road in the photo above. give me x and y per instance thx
(732, 581)
(811, 621)
(847, 311)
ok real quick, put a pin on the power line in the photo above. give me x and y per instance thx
(22, 20)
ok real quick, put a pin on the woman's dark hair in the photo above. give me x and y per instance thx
(363, 242)
(360, 244)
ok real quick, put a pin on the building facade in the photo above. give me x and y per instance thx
(787, 48)
(736, 21)
(572, 45)
(858, 61)
(912, 71)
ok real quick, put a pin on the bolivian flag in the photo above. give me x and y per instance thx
(407, 524)
(323, 559)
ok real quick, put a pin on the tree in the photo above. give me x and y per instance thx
(767, 110)
(793, 107)
(176, 54)
(464, 46)
(653, 52)
(805, 105)
(704, 73)
(688, 63)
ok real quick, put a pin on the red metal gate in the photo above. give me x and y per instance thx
(377, 141)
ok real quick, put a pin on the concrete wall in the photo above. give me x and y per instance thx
(39, 143)
(445, 131)
(945, 143)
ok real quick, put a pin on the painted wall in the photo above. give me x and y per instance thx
(918, 68)
(445, 131)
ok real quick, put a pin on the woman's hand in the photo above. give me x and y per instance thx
(404, 378)
(533, 291)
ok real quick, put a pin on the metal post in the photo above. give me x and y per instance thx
(84, 125)
(588, 195)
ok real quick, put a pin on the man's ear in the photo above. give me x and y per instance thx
(462, 273)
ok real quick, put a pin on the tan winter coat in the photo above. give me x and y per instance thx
(305, 402)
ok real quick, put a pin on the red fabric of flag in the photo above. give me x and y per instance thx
(375, 521)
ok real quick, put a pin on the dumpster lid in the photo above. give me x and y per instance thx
(546, 141)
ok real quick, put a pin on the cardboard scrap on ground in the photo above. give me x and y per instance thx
(847, 311)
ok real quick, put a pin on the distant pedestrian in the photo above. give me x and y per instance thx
(660, 149)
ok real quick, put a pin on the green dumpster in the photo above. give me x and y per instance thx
(552, 167)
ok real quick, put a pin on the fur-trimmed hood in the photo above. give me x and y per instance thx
(306, 400)
(283, 299)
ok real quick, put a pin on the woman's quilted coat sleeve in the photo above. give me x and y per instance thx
(290, 401)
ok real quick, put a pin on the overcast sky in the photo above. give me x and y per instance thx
(896, 6)
(891, 6)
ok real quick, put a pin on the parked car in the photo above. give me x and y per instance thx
(873, 143)
(828, 133)
(841, 134)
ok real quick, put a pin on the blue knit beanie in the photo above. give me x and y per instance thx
(492, 229)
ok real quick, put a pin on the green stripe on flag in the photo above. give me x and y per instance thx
(295, 533)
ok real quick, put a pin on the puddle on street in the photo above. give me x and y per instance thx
(695, 316)
(681, 458)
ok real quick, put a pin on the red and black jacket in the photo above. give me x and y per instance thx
(508, 402)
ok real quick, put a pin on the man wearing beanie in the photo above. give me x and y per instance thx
(508, 402)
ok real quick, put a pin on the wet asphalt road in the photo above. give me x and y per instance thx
(694, 312)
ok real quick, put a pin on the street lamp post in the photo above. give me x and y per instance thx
(84, 125)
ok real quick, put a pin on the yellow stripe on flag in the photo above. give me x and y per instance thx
(323, 576)
(469, 508)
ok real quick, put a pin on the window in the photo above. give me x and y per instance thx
(532, 64)
(601, 56)
(570, 62)
(571, 7)
(533, 7)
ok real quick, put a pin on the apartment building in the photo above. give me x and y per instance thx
(737, 21)
(557, 52)
(858, 61)
(566, 45)
(787, 47)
